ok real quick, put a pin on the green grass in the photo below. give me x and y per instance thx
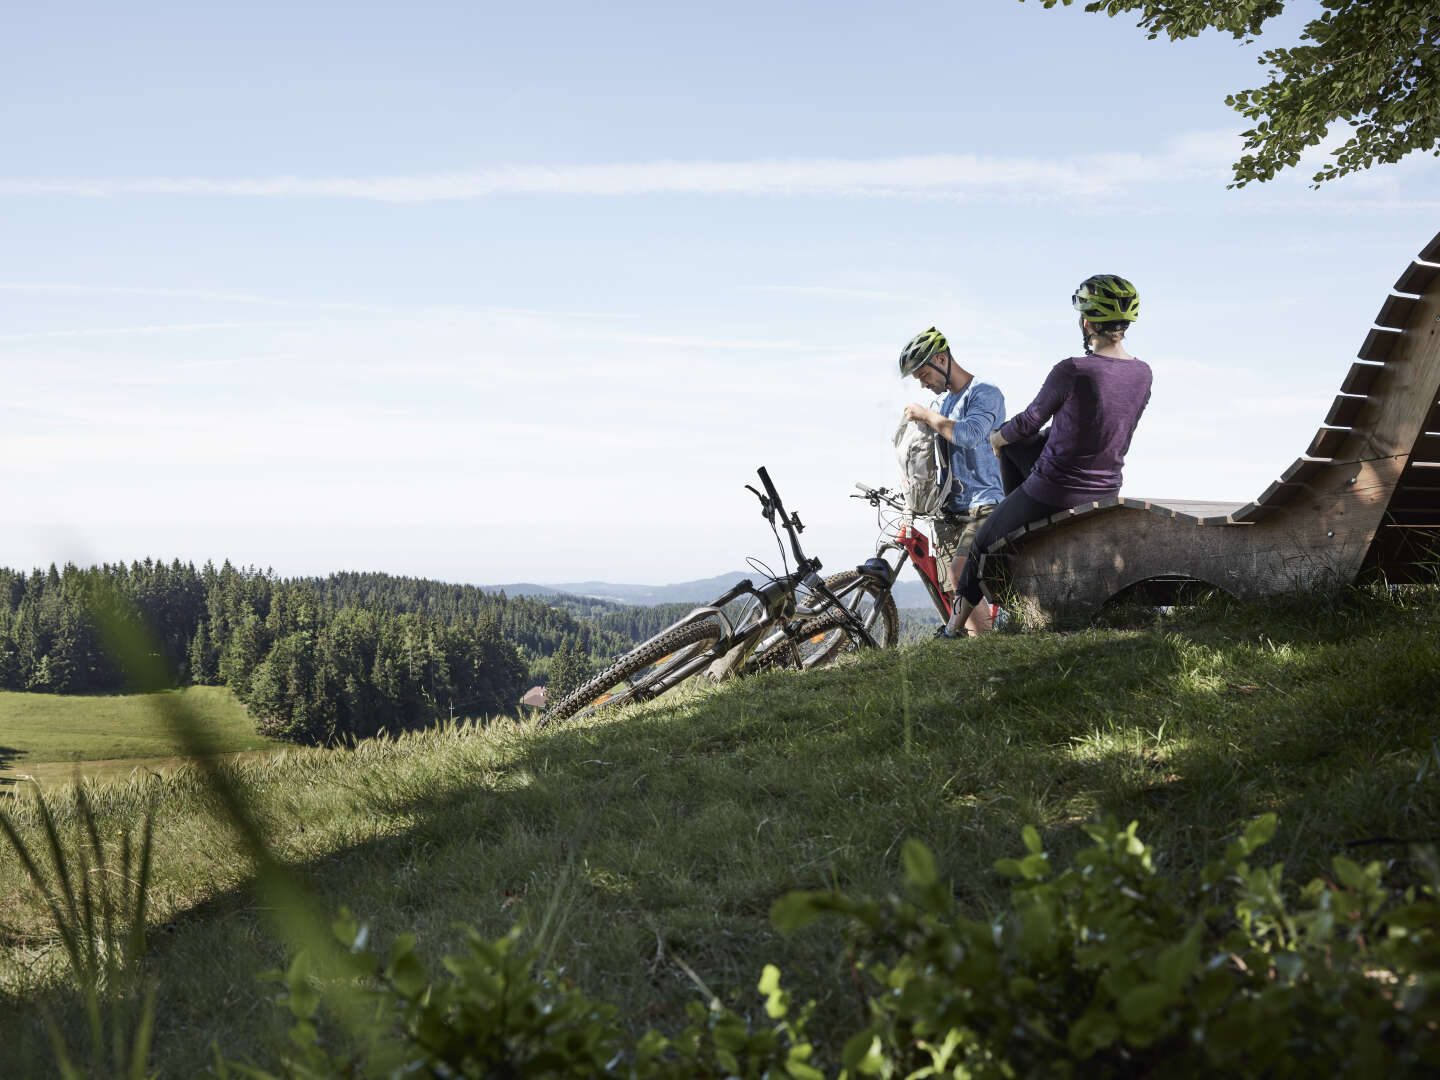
(53, 737)
(663, 833)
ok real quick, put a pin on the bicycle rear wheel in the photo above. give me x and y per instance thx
(828, 635)
(646, 671)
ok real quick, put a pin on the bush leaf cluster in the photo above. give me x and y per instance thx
(1106, 968)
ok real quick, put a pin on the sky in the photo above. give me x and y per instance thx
(495, 292)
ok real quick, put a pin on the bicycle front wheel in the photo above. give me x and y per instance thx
(646, 671)
(825, 637)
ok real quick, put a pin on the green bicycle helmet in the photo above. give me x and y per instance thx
(1107, 298)
(921, 348)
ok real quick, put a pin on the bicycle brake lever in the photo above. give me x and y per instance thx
(766, 510)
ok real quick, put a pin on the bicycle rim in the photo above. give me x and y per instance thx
(828, 635)
(644, 672)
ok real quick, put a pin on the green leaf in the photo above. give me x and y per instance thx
(1009, 867)
(1031, 837)
(920, 872)
(1260, 831)
(1142, 1005)
(795, 910)
(769, 980)
(1349, 872)
(864, 1054)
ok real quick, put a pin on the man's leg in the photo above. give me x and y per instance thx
(978, 619)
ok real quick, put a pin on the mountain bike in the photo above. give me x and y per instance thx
(795, 619)
(900, 535)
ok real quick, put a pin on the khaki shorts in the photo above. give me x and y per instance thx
(954, 538)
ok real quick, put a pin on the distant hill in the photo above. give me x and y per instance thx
(908, 591)
(684, 592)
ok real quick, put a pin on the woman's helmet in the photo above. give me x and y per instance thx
(921, 348)
(1106, 298)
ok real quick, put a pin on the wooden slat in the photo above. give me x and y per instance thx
(1415, 496)
(1197, 509)
(1427, 448)
(1291, 483)
(1423, 517)
(1432, 250)
(1377, 344)
(1361, 377)
(1302, 471)
(1344, 411)
(1416, 278)
(1432, 419)
(1326, 442)
(1395, 312)
(1251, 513)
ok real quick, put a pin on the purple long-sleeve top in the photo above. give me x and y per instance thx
(1093, 404)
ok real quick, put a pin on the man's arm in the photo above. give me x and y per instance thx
(984, 410)
(931, 419)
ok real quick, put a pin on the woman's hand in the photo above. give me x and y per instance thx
(996, 441)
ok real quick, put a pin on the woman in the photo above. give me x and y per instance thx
(1093, 403)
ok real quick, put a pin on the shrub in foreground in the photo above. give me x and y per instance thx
(1105, 969)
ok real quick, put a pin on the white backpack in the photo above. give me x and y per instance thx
(923, 465)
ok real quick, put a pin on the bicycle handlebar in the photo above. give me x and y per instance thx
(879, 495)
(792, 525)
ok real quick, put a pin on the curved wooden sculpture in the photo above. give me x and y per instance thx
(1364, 496)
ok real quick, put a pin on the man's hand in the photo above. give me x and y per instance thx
(996, 441)
(929, 417)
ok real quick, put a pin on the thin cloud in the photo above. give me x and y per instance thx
(164, 292)
(121, 331)
(945, 175)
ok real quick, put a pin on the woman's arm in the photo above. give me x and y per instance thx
(1052, 395)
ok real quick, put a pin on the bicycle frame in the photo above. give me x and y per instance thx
(913, 546)
(777, 615)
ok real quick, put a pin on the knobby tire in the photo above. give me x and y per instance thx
(661, 653)
(825, 637)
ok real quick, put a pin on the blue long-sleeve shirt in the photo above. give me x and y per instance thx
(975, 472)
(1095, 403)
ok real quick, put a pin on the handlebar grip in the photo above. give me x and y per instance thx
(769, 486)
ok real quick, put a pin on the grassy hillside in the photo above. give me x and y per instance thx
(52, 737)
(655, 840)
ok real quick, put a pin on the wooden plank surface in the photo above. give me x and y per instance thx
(1344, 410)
(1411, 384)
(1378, 343)
(1251, 513)
(1361, 377)
(1326, 442)
(1395, 312)
(1416, 278)
(1301, 471)
(1324, 536)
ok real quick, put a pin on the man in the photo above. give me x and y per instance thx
(969, 409)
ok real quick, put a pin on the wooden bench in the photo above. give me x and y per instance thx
(1364, 496)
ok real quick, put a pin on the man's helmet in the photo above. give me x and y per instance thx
(922, 347)
(1107, 298)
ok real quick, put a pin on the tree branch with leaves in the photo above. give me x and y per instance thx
(1374, 64)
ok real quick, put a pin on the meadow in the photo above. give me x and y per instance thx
(55, 738)
(641, 851)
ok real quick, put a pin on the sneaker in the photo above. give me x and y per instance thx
(945, 632)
